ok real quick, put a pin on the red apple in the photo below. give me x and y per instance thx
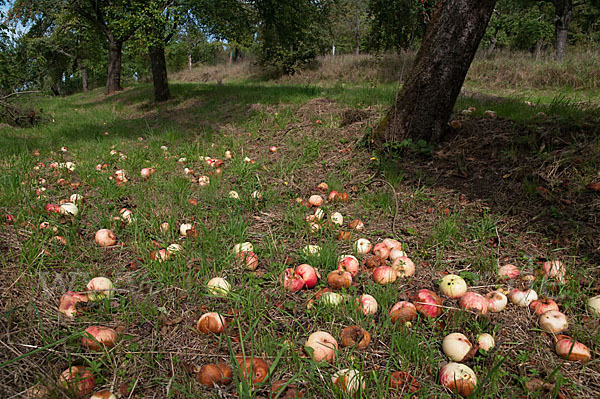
(292, 281)
(384, 275)
(381, 250)
(475, 302)
(428, 303)
(541, 306)
(309, 275)
(349, 264)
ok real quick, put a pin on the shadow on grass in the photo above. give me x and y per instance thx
(536, 168)
(194, 108)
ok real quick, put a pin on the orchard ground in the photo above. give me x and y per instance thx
(511, 189)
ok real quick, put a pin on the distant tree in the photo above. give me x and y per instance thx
(115, 19)
(424, 106)
(59, 40)
(6, 55)
(395, 24)
(291, 33)
(563, 16)
(519, 24)
(348, 23)
(157, 21)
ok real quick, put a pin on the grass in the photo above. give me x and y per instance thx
(446, 223)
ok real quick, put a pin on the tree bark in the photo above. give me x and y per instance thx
(564, 13)
(84, 77)
(113, 80)
(159, 73)
(425, 104)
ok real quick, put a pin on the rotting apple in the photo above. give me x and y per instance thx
(339, 279)
(211, 322)
(105, 238)
(497, 301)
(403, 312)
(96, 338)
(355, 336)
(509, 272)
(78, 380)
(553, 321)
(68, 303)
(458, 378)
(456, 346)
(291, 280)
(567, 348)
(349, 381)
(367, 304)
(100, 288)
(541, 306)
(381, 250)
(522, 298)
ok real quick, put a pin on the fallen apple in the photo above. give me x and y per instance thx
(218, 286)
(100, 288)
(384, 275)
(308, 274)
(567, 348)
(367, 304)
(321, 346)
(349, 381)
(458, 378)
(78, 380)
(522, 298)
(456, 346)
(453, 286)
(355, 336)
(553, 322)
(211, 322)
(96, 338)
(404, 267)
(474, 302)
(428, 303)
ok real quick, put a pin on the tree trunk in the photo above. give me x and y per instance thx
(357, 35)
(424, 106)
(538, 49)
(113, 81)
(492, 47)
(159, 73)
(564, 12)
(84, 77)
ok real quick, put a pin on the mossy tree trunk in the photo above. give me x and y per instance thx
(425, 104)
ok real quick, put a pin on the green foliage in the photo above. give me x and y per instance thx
(348, 23)
(396, 24)
(291, 32)
(520, 25)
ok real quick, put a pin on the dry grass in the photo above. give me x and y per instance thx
(522, 70)
(503, 70)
